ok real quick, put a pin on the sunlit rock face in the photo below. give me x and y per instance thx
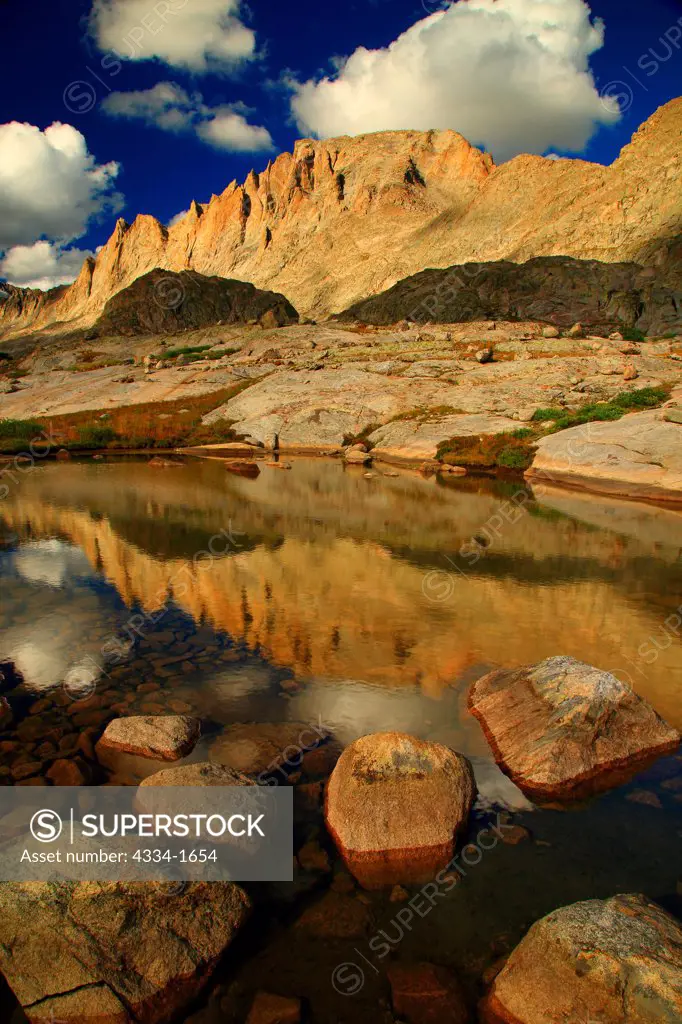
(340, 219)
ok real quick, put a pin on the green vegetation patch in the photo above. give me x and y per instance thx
(362, 437)
(633, 334)
(626, 401)
(187, 350)
(422, 413)
(17, 435)
(490, 451)
(96, 437)
(174, 424)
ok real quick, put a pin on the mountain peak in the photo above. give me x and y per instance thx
(340, 219)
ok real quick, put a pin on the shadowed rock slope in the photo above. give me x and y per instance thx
(165, 303)
(556, 289)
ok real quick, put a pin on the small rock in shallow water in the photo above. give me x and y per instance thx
(312, 857)
(271, 1009)
(399, 894)
(250, 470)
(512, 835)
(343, 882)
(25, 769)
(335, 916)
(308, 797)
(643, 796)
(166, 738)
(69, 772)
(426, 994)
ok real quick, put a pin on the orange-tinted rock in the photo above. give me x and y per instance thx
(563, 729)
(271, 1009)
(67, 772)
(336, 916)
(617, 961)
(394, 805)
(134, 945)
(312, 857)
(248, 469)
(165, 738)
(299, 225)
(426, 994)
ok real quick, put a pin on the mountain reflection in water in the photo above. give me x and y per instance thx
(344, 580)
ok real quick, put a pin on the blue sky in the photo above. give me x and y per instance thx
(230, 91)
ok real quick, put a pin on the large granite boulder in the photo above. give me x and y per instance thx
(615, 961)
(563, 730)
(109, 953)
(639, 455)
(394, 806)
(162, 737)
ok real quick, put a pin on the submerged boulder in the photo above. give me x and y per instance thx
(266, 748)
(615, 961)
(162, 737)
(563, 730)
(394, 806)
(426, 994)
(117, 951)
(241, 467)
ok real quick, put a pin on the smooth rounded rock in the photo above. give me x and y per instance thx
(615, 961)
(394, 806)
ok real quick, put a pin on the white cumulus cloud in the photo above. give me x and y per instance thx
(42, 265)
(511, 75)
(176, 218)
(50, 185)
(194, 34)
(171, 108)
(228, 129)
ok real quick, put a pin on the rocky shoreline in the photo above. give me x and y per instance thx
(404, 392)
(390, 815)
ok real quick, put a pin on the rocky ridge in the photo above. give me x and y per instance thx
(340, 219)
(602, 297)
(162, 302)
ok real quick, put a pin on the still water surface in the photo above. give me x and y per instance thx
(383, 598)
